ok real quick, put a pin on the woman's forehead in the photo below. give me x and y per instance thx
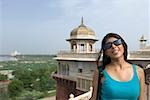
(111, 39)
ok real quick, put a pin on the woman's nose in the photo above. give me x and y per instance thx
(113, 46)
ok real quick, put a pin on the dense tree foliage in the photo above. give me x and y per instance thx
(30, 95)
(15, 87)
(3, 77)
(39, 79)
(32, 76)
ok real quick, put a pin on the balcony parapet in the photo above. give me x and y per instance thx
(66, 77)
(85, 96)
(139, 54)
(73, 51)
(85, 76)
(69, 55)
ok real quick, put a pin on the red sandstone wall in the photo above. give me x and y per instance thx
(64, 89)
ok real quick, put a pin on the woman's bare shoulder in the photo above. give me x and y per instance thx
(140, 71)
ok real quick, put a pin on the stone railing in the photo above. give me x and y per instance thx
(139, 54)
(85, 96)
(72, 51)
(77, 55)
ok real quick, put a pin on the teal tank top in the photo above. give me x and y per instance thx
(115, 90)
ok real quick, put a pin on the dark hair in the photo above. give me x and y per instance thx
(106, 60)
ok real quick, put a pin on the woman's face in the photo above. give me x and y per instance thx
(114, 48)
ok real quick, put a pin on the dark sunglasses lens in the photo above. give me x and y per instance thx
(107, 46)
(117, 42)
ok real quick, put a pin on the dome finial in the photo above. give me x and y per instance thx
(82, 20)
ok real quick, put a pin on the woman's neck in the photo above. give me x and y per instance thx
(119, 62)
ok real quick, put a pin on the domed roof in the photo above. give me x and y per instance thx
(143, 38)
(82, 30)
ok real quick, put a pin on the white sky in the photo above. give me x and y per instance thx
(42, 26)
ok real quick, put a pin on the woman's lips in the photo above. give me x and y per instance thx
(115, 52)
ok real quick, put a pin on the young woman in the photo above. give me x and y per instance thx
(121, 80)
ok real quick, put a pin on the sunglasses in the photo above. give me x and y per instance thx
(109, 44)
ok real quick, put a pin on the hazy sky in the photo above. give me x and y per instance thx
(42, 26)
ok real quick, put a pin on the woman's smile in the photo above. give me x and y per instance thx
(115, 52)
